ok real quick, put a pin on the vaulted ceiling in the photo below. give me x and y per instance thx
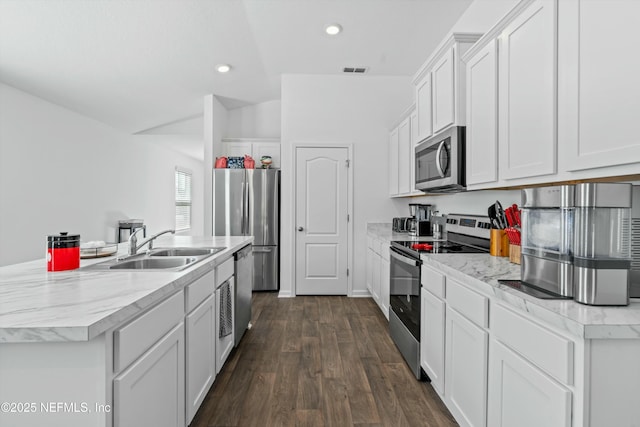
(140, 64)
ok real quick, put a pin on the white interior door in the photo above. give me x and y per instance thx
(321, 220)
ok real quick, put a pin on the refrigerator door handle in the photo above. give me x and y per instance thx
(245, 207)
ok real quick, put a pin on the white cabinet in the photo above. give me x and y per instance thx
(599, 101)
(432, 327)
(443, 94)
(151, 391)
(378, 269)
(256, 148)
(224, 344)
(394, 145)
(385, 282)
(527, 92)
(423, 108)
(467, 349)
(440, 86)
(482, 115)
(405, 157)
(522, 395)
(200, 353)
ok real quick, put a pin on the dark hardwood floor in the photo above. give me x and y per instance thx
(318, 361)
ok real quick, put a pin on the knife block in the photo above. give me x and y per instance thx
(499, 243)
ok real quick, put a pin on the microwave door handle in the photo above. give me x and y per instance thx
(404, 259)
(438, 165)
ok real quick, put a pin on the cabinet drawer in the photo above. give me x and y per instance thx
(199, 290)
(370, 242)
(433, 281)
(384, 251)
(471, 304)
(224, 271)
(138, 336)
(549, 351)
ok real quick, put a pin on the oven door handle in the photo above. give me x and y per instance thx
(402, 258)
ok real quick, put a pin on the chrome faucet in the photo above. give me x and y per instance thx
(133, 240)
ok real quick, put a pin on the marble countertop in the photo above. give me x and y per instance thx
(79, 305)
(483, 271)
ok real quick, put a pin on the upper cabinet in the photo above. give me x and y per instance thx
(401, 156)
(599, 100)
(482, 115)
(565, 100)
(256, 148)
(527, 92)
(439, 86)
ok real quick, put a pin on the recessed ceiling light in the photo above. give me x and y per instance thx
(223, 68)
(333, 29)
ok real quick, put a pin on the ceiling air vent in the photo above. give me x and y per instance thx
(354, 70)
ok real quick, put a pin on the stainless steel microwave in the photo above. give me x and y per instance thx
(440, 162)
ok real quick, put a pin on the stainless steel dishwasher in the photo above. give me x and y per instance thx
(244, 285)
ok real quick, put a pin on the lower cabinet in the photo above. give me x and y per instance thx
(522, 395)
(151, 391)
(378, 272)
(224, 344)
(200, 354)
(467, 348)
(432, 338)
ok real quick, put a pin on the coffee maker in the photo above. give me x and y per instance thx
(420, 222)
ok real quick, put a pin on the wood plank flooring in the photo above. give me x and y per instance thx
(318, 361)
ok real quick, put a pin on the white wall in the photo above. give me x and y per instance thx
(255, 121)
(472, 202)
(356, 110)
(215, 126)
(61, 171)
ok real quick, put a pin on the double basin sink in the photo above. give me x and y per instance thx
(165, 259)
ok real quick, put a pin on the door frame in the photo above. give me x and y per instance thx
(294, 150)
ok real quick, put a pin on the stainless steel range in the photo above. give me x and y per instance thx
(465, 234)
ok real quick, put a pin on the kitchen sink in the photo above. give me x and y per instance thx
(159, 259)
(153, 263)
(169, 252)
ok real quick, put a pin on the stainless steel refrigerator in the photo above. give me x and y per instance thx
(246, 202)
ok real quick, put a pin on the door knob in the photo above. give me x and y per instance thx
(300, 228)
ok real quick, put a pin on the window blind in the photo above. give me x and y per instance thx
(183, 200)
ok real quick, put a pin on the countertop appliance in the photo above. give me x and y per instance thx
(420, 221)
(602, 250)
(440, 162)
(547, 239)
(243, 266)
(246, 202)
(634, 286)
(466, 234)
(401, 224)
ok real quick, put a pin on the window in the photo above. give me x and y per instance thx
(183, 199)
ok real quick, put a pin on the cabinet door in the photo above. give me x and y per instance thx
(599, 108)
(432, 324)
(370, 255)
(224, 345)
(393, 162)
(424, 108)
(404, 156)
(236, 149)
(413, 121)
(527, 93)
(272, 149)
(521, 395)
(443, 92)
(200, 355)
(385, 271)
(375, 285)
(482, 116)
(467, 348)
(151, 391)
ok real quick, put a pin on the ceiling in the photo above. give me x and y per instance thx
(141, 64)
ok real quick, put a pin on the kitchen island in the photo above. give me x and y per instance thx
(75, 343)
(500, 357)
